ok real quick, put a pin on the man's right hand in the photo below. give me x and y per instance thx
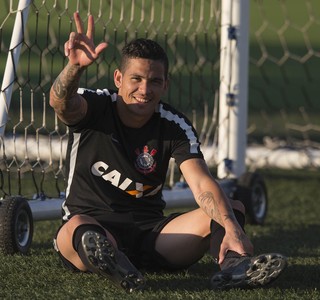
(80, 48)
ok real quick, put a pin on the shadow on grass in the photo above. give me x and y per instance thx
(299, 243)
(195, 279)
(295, 277)
(301, 246)
(294, 241)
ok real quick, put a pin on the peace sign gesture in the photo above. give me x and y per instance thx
(80, 48)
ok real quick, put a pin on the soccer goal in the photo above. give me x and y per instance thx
(237, 71)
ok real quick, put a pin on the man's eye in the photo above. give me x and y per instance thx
(157, 81)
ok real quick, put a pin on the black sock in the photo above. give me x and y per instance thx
(77, 238)
(217, 235)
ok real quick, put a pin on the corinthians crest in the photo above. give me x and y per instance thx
(145, 162)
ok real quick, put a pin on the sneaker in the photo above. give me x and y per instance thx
(250, 272)
(108, 261)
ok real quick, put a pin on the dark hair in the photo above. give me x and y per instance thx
(144, 48)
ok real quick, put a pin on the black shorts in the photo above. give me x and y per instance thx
(136, 239)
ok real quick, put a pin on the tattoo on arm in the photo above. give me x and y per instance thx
(68, 105)
(209, 204)
(240, 236)
(59, 89)
(230, 216)
(66, 85)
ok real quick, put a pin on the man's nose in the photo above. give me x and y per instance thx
(144, 87)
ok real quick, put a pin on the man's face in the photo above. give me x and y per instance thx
(141, 86)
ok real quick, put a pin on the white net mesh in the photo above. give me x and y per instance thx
(284, 89)
(33, 146)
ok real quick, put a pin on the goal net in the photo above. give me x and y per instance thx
(284, 106)
(283, 125)
(33, 140)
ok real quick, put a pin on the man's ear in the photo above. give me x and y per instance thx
(166, 85)
(165, 88)
(117, 78)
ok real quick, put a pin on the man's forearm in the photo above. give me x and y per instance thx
(220, 212)
(63, 95)
(67, 83)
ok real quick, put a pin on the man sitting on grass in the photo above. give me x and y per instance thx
(120, 144)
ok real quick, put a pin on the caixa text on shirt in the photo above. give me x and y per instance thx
(135, 189)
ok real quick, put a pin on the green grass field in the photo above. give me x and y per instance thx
(292, 228)
(293, 224)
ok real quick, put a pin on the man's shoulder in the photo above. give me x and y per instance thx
(170, 113)
(98, 92)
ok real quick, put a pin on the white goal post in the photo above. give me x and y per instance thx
(12, 62)
(233, 104)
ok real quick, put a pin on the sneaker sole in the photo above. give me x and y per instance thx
(108, 261)
(262, 270)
